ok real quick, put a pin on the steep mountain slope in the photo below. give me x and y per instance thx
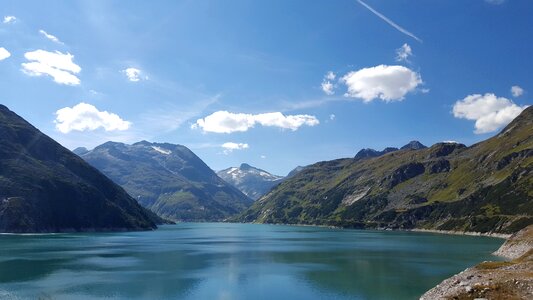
(253, 182)
(46, 188)
(169, 179)
(485, 187)
(294, 171)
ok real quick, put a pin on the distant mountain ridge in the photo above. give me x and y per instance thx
(487, 187)
(369, 153)
(44, 187)
(168, 179)
(253, 182)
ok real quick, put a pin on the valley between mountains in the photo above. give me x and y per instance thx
(486, 187)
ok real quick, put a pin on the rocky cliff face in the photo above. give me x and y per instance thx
(44, 187)
(483, 188)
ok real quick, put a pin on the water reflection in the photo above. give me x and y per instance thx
(234, 261)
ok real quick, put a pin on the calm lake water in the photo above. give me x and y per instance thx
(234, 261)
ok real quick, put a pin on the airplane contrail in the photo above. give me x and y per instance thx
(391, 23)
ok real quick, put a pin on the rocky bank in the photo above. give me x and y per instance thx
(511, 279)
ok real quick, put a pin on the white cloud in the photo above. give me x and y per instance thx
(332, 117)
(226, 122)
(9, 19)
(230, 146)
(133, 74)
(330, 75)
(517, 91)
(403, 53)
(327, 85)
(50, 37)
(55, 64)
(387, 83)
(263, 156)
(83, 116)
(4, 53)
(489, 112)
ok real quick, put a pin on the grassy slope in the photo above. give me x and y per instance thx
(485, 187)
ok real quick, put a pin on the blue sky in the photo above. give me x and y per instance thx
(248, 81)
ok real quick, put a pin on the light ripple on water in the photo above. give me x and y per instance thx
(240, 261)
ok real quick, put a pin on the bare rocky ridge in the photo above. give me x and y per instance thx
(494, 279)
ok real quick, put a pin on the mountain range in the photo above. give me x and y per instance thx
(44, 187)
(486, 187)
(168, 179)
(253, 182)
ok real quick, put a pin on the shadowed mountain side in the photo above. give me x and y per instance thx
(44, 187)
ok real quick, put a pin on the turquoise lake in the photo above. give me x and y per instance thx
(234, 261)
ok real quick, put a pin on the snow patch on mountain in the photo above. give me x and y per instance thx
(161, 150)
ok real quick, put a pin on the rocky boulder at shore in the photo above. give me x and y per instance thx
(494, 279)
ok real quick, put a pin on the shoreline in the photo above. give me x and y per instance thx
(503, 236)
(470, 233)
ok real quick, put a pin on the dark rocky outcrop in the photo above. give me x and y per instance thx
(444, 149)
(404, 173)
(413, 145)
(439, 166)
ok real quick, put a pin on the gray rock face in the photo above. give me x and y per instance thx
(413, 145)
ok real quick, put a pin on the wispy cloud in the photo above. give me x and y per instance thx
(389, 21)
(53, 38)
(403, 53)
(57, 65)
(9, 19)
(133, 74)
(327, 85)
